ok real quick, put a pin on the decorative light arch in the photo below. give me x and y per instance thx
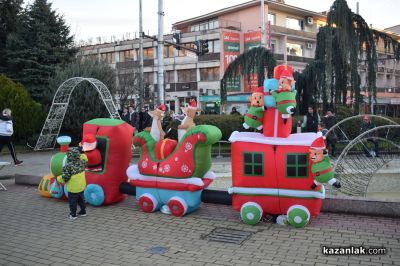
(355, 170)
(55, 117)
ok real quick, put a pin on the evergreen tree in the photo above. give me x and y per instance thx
(10, 11)
(42, 42)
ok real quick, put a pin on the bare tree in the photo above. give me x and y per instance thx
(127, 88)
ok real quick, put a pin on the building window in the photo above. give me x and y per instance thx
(108, 57)
(205, 25)
(273, 46)
(214, 46)
(169, 76)
(297, 165)
(293, 23)
(148, 78)
(169, 51)
(148, 53)
(294, 49)
(187, 75)
(182, 52)
(253, 163)
(127, 55)
(272, 19)
(209, 74)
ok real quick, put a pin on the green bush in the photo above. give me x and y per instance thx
(27, 114)
(226, 123)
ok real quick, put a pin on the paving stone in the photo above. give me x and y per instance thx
(35, 231)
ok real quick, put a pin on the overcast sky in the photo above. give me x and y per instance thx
(93, 18)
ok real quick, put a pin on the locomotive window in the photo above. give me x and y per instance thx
(296, 165)
(253, 164)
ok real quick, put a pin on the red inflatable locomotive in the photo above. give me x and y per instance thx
(272, 172)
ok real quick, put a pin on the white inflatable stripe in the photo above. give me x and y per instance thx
(133, 174)
(299, 139)
(278, 192)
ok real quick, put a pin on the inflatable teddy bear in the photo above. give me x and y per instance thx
(254, 116)
(321, 164)
(285, 96)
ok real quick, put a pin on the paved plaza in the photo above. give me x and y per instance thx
(35, 231)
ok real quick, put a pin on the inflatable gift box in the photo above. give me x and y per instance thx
(274, 124)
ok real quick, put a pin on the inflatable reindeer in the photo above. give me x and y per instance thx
(187, 123)
(156, 129)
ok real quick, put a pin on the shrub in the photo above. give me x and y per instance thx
(226, 123)
(27, 114)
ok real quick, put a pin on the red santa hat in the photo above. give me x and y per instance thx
(283, 71)
(259, 90)
(318, 143)
(193, 104)
(162, 108)
(287, 74)
(89, 142)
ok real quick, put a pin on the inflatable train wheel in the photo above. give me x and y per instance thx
(251, 213)
(298, 216)
(177, 206)
(94, 194)
(147, 202)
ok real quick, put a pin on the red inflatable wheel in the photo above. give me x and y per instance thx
(147, 202)
(177, 206)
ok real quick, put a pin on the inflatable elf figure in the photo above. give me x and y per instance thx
(254, 116)
(321, 164)
(89, 144)
(285, 96)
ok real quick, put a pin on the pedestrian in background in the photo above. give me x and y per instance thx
(133, 116)
(330, 121)
(234, 111)
(6, 131)
(366, 126)
(311, 120)
(125, 116)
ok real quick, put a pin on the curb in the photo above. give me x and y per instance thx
(28, 180)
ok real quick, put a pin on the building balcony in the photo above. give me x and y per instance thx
(299, 59)
(184, 86)
(230, 24)
(294, 58)
(134, 64)
(209, 57)
(293, 33)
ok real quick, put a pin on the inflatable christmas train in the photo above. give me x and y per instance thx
(276, 172)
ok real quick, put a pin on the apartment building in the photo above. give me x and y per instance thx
(290, 34)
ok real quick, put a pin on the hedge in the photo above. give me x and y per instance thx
(27, 114)
(226, 123)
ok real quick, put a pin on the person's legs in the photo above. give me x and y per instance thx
(376, 147)
(81, 203)
(73, 202)
(2, 142)
(12, 151)
(365, 148)
(333, 144)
